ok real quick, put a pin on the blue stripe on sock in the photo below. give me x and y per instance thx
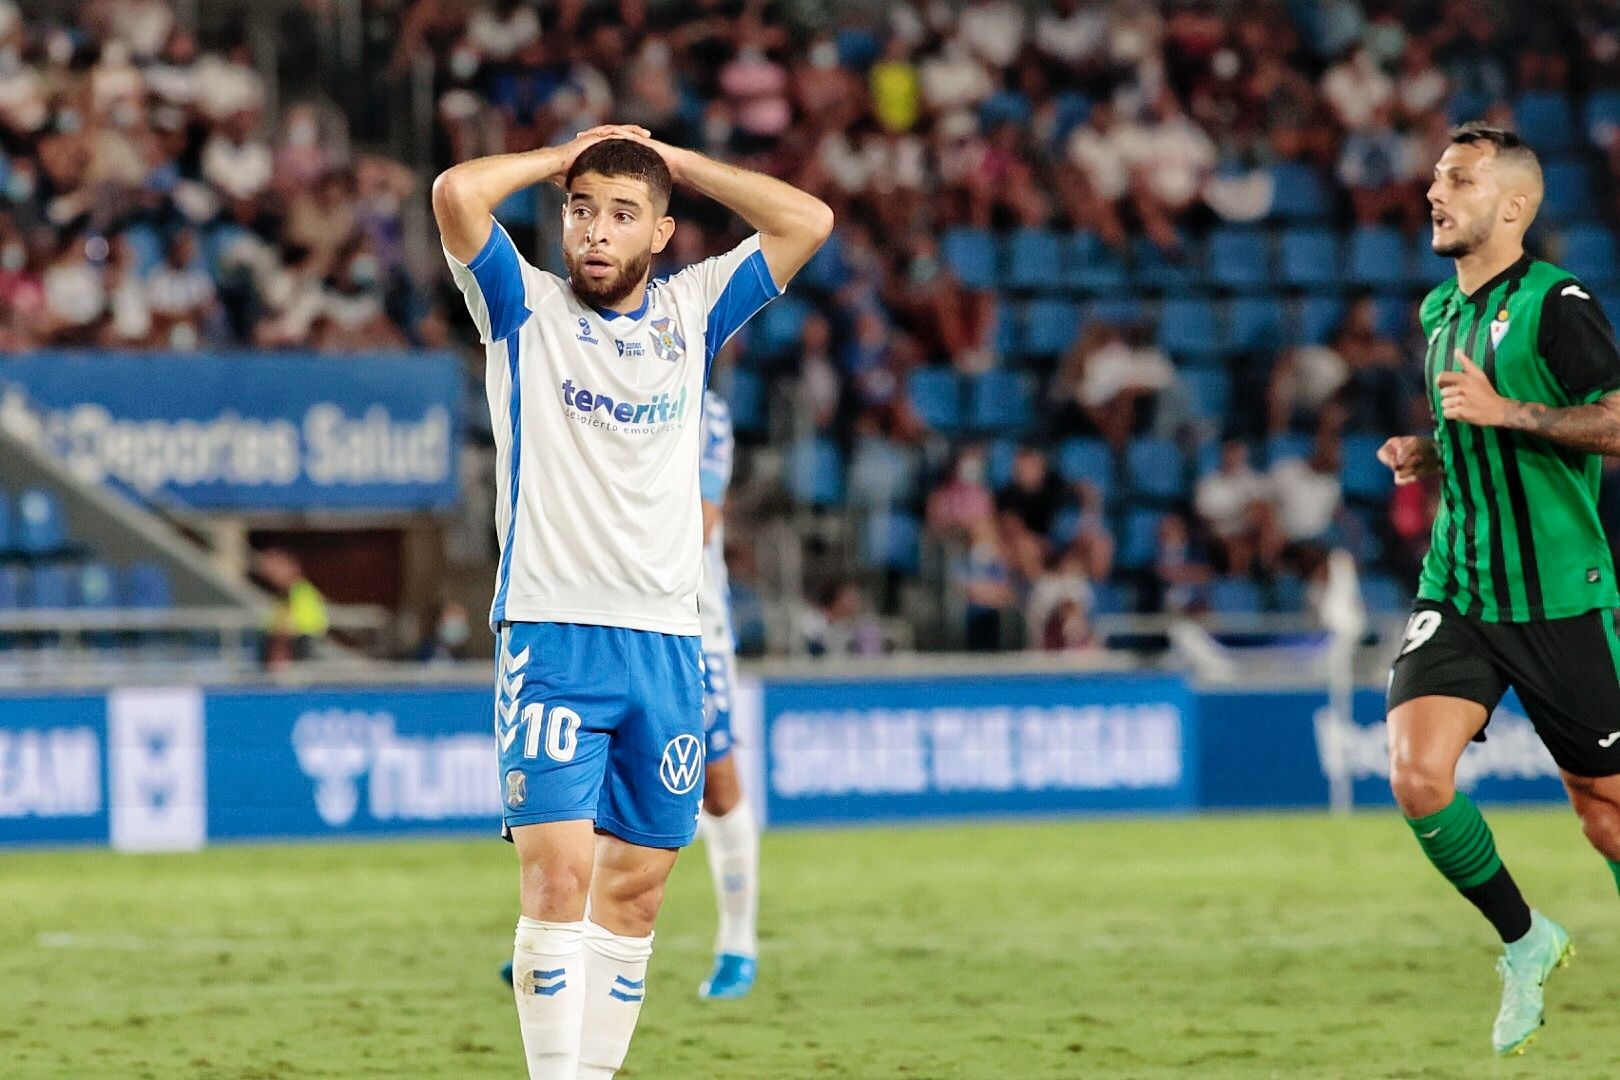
(548, 991)
(620, 980)
(552, 974)
(623, 996)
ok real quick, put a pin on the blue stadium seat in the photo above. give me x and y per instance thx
(1189, 328)
(1117, 311)
(1112, 598)
(1210, 390)
(1544, 117)
(747, 401)
(1071, 110)
(39, 526)
(13, 588)
(1065, 527)
(145, 246)
(1288, 594)
(1091, 266)
(146, 585)
(1383, 594)
(1155, 469)
(1004, 107)
(97, 586)
(5, 522)
(1590, 254)
(1377, 256)
(1287, 446)
(936, 395)
(1299, 193)
(1238, 258)
(1395, 316)
(998, 464)
(1569, 191)
(1050, 327)
(1153, 269)
(1310, 256)
(1009, 329)
(1087, 459)
(1361, 474)
(826, 270)
(881, 473)
(1466, 105)
(971, 255)
(1255, 323)
(1235, 596)
(1319, 320)
(890, 541)
(1034, 260)
(1001, 401)
(1601, 117)
(778, 329)
(1139, 539)
(1207, 459)
(815, 473)
(51, 587)
(1425, 269)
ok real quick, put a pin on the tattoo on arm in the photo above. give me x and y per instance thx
(1593, 428)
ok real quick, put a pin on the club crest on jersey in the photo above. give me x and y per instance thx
(1499, 328)
(667, 342)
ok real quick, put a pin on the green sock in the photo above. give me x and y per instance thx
(1459, 843)
(1614, 868)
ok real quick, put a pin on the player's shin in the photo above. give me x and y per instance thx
(732, 841)
(549, 983)
(1460, 845)
(615, 983)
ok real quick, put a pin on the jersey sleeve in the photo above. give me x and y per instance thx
(719, 444)
(732, 288)
(492, 285)
(1577, 342)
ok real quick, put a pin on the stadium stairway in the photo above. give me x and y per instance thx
(81, 559)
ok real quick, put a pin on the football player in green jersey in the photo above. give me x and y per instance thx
(1518, 587)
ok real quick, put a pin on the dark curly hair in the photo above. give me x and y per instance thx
(625, 157)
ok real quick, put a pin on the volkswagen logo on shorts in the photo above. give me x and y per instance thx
(682, 765)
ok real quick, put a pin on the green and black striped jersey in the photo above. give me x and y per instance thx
(1517, 535)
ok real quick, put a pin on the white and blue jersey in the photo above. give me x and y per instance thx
(596, 415)
(714, 588)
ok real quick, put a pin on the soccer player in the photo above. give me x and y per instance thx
(595, 386)
(728, 827)
(1517, 588)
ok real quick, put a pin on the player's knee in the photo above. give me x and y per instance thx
(1421, 788)
(1600, 821)
(627, 902)
(556, 885)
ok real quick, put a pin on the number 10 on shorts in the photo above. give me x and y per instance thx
(560, 725)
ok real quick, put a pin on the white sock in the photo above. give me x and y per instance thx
(615, 983)
(548, 981)
(733, 846)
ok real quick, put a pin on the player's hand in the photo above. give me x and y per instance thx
(1468, 396)
(1409, 457)
(570, 150)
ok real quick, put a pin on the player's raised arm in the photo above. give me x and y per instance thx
(465, 195)
(791, 223)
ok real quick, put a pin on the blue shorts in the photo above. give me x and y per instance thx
(719, 675)
(600, 723)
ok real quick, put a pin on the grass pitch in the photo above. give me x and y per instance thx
(1220, 947)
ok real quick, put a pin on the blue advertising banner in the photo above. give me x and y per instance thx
(254, 432)
(53, 776)
(952, 747)
(329, 763)
(1278, 748)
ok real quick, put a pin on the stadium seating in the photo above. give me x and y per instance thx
(1590, 253)
(748, 404)
(1001, 401)
(40, 529)
(815, 473)
(891, 541)
(1238, 596)
(881, 473)
(777, 329)
(936, 395)
(1298, 193)
(1600, 119)
(1210, 391)
(1050, 327)
(1238, 258)
(1382, 594)
(1310, 256)
(1139, 538)
(1154, 270)
(51, 587)
(1287, 447)
(1569, 191)
(1255, 323)
(1377, 257)
(971, 256)
(1189, 329)
(1091, 266)
(1155, 470)
(146, 585)
(1544, 117)
(1319, 320)
(1087, 459)
(1361, 475)
(1034, 260)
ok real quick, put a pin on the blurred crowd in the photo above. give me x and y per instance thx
(146, 199)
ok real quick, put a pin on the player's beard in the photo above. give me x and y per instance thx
(1465, 243)
(606, 292)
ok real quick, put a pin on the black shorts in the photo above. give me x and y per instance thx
(1567, 673)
